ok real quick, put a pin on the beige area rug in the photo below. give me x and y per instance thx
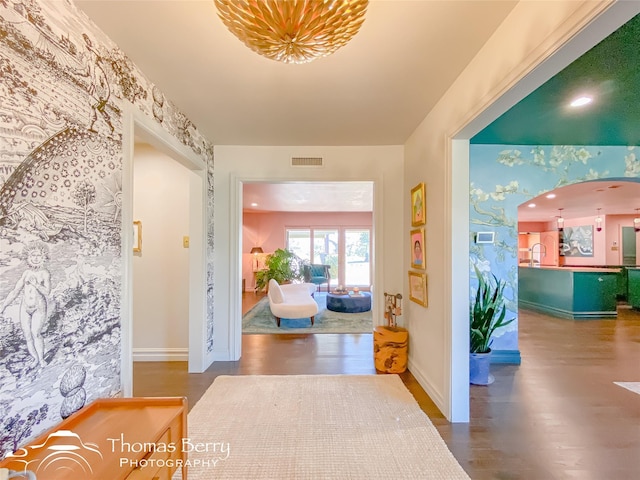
(633, 386)
(316, 427)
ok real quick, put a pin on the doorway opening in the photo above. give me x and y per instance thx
(160, 257)
(336, 215)
(600, 26)
(629, 246)
(140, 129)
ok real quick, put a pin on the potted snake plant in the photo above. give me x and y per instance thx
(487, 313)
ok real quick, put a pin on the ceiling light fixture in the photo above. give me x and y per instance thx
(598, 221)
(581, 101)
(293, 31)
(532, 205)
(551, 195)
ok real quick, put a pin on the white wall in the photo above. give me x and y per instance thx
(161, 270)
(439, 334)
(382, 165)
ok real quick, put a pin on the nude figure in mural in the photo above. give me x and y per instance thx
(35, 287)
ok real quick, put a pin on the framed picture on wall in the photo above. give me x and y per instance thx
(577, 241)
(418, 205)
(137, 236)
(418, 259)
(418, 288)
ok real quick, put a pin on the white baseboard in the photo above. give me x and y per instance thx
(428, 387)
(160, 354)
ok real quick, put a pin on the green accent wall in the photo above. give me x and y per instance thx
(608, 72)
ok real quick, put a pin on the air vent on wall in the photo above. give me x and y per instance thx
(306, 161)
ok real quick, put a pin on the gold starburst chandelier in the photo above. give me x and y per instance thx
(293, 31)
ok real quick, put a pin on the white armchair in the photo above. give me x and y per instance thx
(294, 300)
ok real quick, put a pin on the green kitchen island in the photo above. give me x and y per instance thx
(634, 287)
(578, 293)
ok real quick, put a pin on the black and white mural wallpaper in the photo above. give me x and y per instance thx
(62, 87)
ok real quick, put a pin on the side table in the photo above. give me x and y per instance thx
(390, 349)
(138, 438)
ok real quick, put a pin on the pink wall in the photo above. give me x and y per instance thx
(267, 230)
(532, 227)
(607, 244)
(613, 225)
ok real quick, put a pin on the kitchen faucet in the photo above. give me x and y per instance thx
(543, 251)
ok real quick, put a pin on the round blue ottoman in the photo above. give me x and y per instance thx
(349, 303)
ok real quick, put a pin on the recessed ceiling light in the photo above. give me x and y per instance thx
(531, 205)
(551, 195)
(581, 101)
(254, 204)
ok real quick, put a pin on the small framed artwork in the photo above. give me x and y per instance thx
(418, 288)
(417, 249)
(137, 236)
(418, 207)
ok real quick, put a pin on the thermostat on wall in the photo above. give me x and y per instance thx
(485, 237)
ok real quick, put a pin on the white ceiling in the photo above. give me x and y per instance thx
(308, 197)
(577, 200)
(582, 200)
(374, 91)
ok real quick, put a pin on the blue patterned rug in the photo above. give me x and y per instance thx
(260, 320)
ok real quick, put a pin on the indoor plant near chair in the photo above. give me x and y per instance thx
(283, 266)
(487, 314)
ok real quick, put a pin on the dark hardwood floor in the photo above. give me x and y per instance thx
(557, 416)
